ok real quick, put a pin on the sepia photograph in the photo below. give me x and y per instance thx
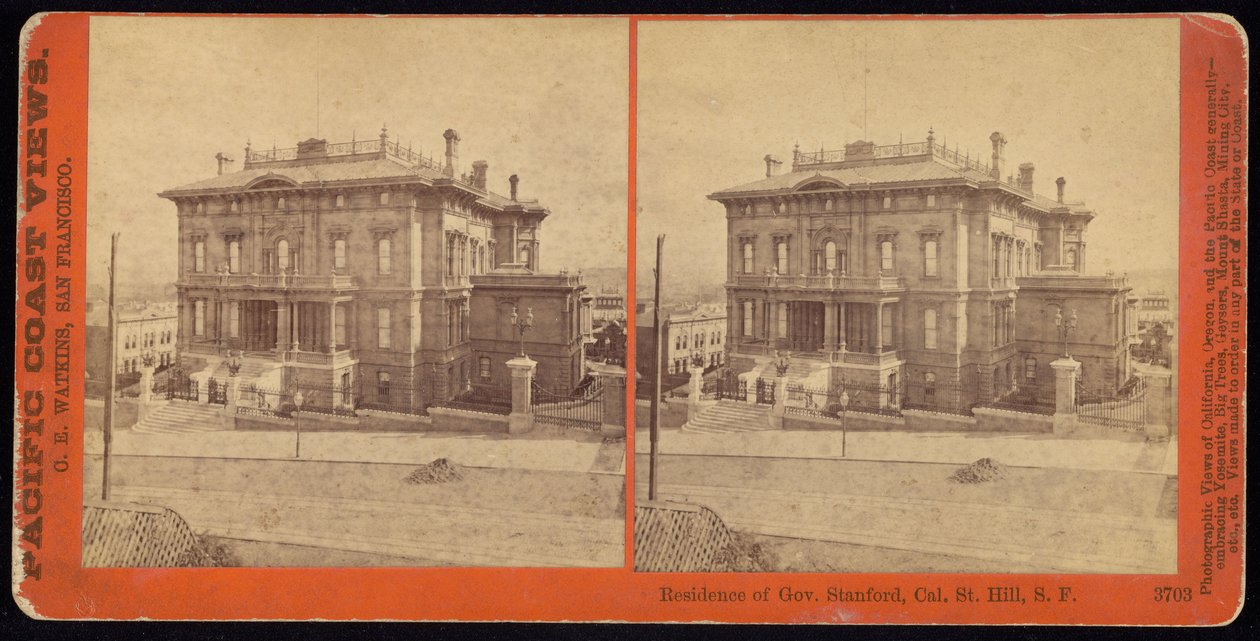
(356, 292)
(907, 296)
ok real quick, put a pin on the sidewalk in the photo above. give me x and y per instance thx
(1025, 450)
(525, 452)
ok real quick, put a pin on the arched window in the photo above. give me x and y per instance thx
(930, 258)
(340, 201)
(525, 256)
(199, 256)
(282, 255)
(234, 256)
(383, 259)
(748, 258)
(339, 254)
(280, 203)
(929, 329)
(829, 256)
(781, 257)
(886, 256)
(234, 206)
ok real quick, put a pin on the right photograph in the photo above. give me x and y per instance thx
(907, 296)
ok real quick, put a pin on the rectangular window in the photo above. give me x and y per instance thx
(199, 318)
(385, 198)
(929, 329)
(234, 320)
(782, 258)
(886, 327)
(339, 254)
(783, 320)
(930, 258)
(339, 325)
(383, 249)
(748, 258)
(234, 256)
(886, 257)
(931, 200)
(382, 328)
(748, 318)
(199, 256)
(887, 202)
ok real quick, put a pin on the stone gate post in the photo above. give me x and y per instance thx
(779, 408)
(522, 417)
(1158, 417)
(1065, 372)
(613, 397)
(695, 388)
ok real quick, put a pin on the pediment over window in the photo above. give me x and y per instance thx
(271, 181)
(819, 183)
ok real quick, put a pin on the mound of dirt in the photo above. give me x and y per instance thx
(439, 471)
(982, 471)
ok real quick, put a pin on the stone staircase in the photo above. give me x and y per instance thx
(801, 371)
(254, 371)
(730, 416)
(181, 417)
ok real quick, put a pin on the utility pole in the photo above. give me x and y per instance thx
(655, 423)
(108, 428)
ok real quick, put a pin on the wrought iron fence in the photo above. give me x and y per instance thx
(216, 392)
(180, 386)
(947, 397)
(1030, 397)
(262, 401)
(1123, 408)
(765, 391)
(333, 400)
(483, 398)
(581, 408)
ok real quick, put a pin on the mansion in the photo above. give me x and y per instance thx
(356, 266)
(917, 268)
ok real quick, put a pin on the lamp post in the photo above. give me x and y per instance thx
(844, 424)
(298, 399)
(522, 324)
(1065, 326)
(234, 362)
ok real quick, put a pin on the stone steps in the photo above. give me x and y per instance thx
(184, 417)
(726, 417)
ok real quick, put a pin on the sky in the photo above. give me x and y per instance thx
(1092, 100)
(547, 99)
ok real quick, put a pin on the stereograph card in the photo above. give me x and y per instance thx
(747, 319)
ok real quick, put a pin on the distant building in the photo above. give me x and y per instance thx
(915, 267)
(145, 330)
(355, 265)
(609, 306)
(692, 334)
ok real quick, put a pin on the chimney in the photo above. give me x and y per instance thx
(999, 153)
(452, 152)
(479, 173)
(1060, 182)
(513, 180)
(772, 165)
(1026, 176)
(223, 160)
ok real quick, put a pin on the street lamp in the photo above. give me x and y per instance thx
(298, 399)
(1065, 326)
(522, 324)
(844, 423)
(234, 363)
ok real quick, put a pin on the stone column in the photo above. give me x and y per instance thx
(613, 398)
(1158, 409)
(282, 326)
(844, 329)
(522, 417)
(878, 330)
(829, 326)
(332, 327)
(296, 327)
(146, 386)
(695, 388)
(779, 408)
(1065, 372)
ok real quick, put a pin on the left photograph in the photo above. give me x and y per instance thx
(356, 292)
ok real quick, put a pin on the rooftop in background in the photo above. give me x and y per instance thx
(863, 163)
(98, 311)
(679, 313)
